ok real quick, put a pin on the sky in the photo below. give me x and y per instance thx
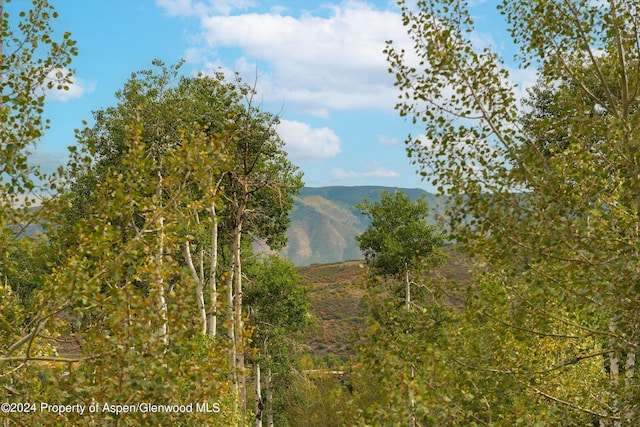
(319, 65)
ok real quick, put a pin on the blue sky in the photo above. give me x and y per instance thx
(319, 63)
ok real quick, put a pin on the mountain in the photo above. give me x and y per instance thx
(324, 222)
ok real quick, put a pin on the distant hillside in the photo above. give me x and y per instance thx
(335, 295)
(336, 292)
(324, 222)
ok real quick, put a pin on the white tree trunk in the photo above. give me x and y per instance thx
(614, 372)
(629, 368)
(412, 402)
(258, 395)
(269, 403)
(213, 284)
(231, 328)
(237, 310)
(163, 330)
(199, 279)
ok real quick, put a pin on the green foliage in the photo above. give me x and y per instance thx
(262, 181)
(324, 222)
(100, 296)
(172, 116)
(26, 267)
(129, 300)
(398, 238)
(317, 401)
(403, 349)
(279, 312)
(32, 60)
(398, 244)
(545, 199)
(276, 298)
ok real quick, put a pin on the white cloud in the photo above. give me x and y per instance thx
(317, 63)
(76, 88)
(176, 7)
(190, 7)
(375, 171)
(304, 143)
(387, 140)
(482, 41)
(313, 63)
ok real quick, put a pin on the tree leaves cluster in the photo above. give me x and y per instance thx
(124, 276)
(543, 197)
(399, 243)
(279, 312)
(406, 314)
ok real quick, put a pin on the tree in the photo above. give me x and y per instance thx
(279, 311)
(229, 144)
(548, 202)
(124, 307)
(32, 60)
(399, 243)
(169, 114)
(129, 299)
(259, 191)
(112, 315)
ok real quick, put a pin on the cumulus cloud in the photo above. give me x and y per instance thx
(375, 171)
(329, 59)
(76, 88)
(304, 143)
(319, 63)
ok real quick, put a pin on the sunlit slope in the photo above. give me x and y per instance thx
(324, 222)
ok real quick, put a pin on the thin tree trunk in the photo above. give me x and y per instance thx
(629, 372)
(239, 207)
(614, 366)
(269, 403)
(163, 330)
(203, 311)
(614, 372)
(412, 401)
(199, 279)
(258, 396)
(231, 328)
(237, 308)
(213, 284)
(629, 368)
(407, 284)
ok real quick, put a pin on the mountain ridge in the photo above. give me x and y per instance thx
(325, 221)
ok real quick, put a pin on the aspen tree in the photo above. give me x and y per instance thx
(555, 225)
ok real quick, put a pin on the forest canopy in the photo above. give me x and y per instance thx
(129, 274)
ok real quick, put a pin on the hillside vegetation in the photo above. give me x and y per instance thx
(336, 290)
